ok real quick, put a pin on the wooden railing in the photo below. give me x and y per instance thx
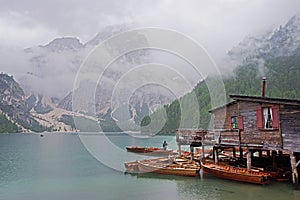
(207, 137)
(227, 137)
(223, 137)
(188, 137)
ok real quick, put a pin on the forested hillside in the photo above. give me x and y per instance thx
(283, 80)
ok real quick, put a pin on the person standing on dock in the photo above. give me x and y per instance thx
(165, 145)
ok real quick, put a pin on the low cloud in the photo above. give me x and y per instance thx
(217, 25)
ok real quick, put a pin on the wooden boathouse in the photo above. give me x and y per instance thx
(258, 127)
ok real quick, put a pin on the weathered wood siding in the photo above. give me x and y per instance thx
(222, 116)
(290, 126)
(251, 135)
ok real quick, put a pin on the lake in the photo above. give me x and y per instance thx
(90, 167)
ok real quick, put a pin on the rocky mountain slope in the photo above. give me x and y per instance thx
(13, 106)
(282, 41)
(53, 69)
(21, 113)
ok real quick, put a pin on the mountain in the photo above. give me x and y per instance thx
(282, 41)
(64, 44)
(108, 32)
(54, 67)
(13, 108)
(51, 70)
(35, 113)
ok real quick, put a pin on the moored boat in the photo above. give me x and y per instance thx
(131, 167)
(236, 173)
(281, 175)
(152, 151)
(169, 168)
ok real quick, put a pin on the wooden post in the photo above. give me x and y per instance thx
(249, 155)
(274, 153)
(214, 153)
(260, 153)
(233, 152)
(192, 152)
(240, 144)
(202, 143)
(294, 171)
(179, 149)
(241, 153)
(268, 154)
(216, 156)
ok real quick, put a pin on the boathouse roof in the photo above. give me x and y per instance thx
(259, 99)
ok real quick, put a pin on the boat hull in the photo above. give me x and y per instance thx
(151, 151)
(131, 167)
(176, 170)
(236, 174)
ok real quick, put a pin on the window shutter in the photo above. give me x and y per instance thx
(275, 112)
(230, 124)
(259, 118)
(240, 123)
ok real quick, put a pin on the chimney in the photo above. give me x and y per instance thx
(263, 90)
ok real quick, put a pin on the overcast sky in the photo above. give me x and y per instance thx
(216, 24)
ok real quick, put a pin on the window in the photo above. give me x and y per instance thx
(268, 117)
(234, 122)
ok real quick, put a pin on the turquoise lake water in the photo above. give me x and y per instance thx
(64, 167)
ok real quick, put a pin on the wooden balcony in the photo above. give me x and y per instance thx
(207, 137)
(194, 137)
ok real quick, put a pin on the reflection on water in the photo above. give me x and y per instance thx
(59, 167)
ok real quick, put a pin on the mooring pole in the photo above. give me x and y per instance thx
(274, 154)
(203, 149)
(216, 156)
(192, 152)
(294, 170)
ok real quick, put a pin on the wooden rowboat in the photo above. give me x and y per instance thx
(151, 151)
(178, 169)
(236, 173)
(131, 167)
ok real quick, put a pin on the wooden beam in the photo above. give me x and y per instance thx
(298, 163)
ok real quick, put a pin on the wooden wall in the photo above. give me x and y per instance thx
(251, 135)
(290, 126)
(222, 116)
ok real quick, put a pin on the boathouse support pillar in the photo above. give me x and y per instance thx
(241, 153)
(192, 152)
(274, 154)
(260, 154)
(179, 149)
(294, 170)
(203, 149)
(233, 152)
(268, 154)
(249, 155)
